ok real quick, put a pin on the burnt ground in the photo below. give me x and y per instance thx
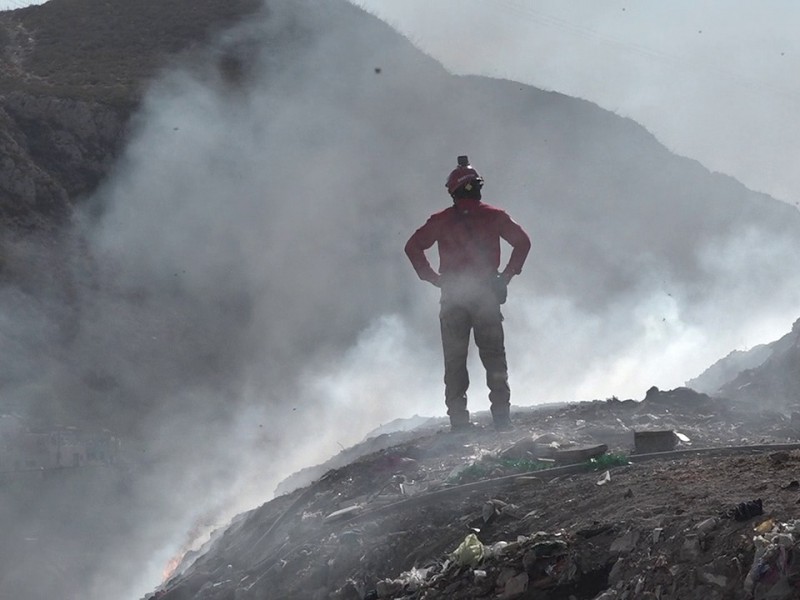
(532, 517)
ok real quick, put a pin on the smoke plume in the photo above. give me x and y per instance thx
(240, 305)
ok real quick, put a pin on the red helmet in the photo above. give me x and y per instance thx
(464, 174)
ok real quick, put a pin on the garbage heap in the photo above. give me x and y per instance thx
(706, 561)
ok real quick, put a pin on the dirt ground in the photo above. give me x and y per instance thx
(522, 514)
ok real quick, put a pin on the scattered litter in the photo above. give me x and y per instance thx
(494, 550)
(657, 534)
(344, 513)
(412, 488)
(489, 511)
(413, 579)
(775, 572)
(609, 460)
(579, 454)
(649, 442)
(469, 553)
(707, 526)
(765, 527)
(606, 478)
(409, 581)
(744, 510)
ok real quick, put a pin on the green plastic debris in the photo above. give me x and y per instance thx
(489, 467)
(608, 460)
(469, 553)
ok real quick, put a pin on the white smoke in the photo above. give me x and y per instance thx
(250, 305)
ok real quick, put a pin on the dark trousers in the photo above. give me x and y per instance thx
(483, 318)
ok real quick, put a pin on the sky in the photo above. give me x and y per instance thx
(714, 81)
(13, 4)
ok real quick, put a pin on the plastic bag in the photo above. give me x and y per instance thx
(470, 552)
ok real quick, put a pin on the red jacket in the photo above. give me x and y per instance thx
(468, 234)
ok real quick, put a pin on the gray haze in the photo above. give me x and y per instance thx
(713, 80)
(242, 306)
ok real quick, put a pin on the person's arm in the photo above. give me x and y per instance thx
(422, 239)
(515, 235)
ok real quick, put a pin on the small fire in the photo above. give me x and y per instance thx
(200, 530)
(171, 566)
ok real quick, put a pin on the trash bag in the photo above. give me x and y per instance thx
(469, 553)
(744, 511)
(775, 572)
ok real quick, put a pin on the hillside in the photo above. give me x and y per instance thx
(707, 511)
(646, 526)
(71, 74)
(763, 373)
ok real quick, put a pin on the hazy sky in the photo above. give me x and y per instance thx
(714, 81)
(12, 4)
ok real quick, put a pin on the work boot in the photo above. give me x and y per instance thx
(501, 417)
(459, 420)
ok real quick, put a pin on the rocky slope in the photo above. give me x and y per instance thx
(766, 374)
(518, 515)
(678, 496)
(71, 75)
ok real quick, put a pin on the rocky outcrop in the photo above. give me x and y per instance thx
(52, 152)
(764, 376)
(71, 76)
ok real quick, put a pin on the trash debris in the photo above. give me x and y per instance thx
(495, 550)
(744, 510)
(775, 572)
(579, 454)
(608, 460)
(344, 513)
(707, 526)
(657, 534)
(412, 580)
(408, 581)
(412, 488)
(765, 527)
(469, 553)
(489, 511)
(648, 442)
(606, 478)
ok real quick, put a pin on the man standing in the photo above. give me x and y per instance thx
(468, 235)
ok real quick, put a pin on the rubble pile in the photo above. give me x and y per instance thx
(560, 508)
